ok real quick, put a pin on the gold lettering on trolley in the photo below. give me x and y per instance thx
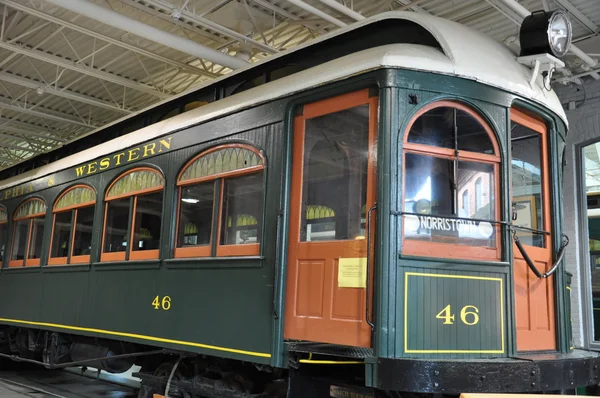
(130, 155)
(149, 149)
(104, 163)
(469, 315)
(118, 157)
(17, 191)
(164, 144)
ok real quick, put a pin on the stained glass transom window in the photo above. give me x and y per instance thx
(76, 196)
(32, 207)
(135, 181)
(220, 161)
(318, 212)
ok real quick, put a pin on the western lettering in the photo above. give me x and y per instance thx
(128, 155)
(104, 163)
(118, 157)
(132, 153)
(149, 149)
(91, 167)
(164, 143)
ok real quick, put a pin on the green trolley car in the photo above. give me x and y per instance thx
(375, 213)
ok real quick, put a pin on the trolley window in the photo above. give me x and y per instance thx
(28, 233)
(133, 216)
(451, 169)
(71, 239)
(221, 201)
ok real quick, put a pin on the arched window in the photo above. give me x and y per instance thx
(133, 216)
(72, 226)
(221, 200)
(3, 232)
(449, 149)
(28, 233)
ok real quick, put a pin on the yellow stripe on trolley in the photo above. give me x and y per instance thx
(139, 336)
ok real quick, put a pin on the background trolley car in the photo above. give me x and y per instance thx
(338, 219)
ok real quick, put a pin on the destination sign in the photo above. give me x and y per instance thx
(461, 227)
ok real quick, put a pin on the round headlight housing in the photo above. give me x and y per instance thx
(559, 33)
(546, 32)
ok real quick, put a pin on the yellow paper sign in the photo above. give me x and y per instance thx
(352, 272)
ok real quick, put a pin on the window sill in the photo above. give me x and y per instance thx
(67, 267)
(129, 265)
(215, 262)
(482, 262)
(17, 270)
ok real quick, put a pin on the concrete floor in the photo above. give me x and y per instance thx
(42, 383)
(14, 391)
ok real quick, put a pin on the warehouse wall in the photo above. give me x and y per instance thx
(584, 125)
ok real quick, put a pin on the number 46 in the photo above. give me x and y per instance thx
(448, 317)
(165, 303)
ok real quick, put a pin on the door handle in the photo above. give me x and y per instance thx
(369, 265)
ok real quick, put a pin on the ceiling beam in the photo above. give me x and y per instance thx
(585, 21)
(523, 12)
(43, 115)
(208, 24)
(3, 144)
(49, 89)
(116, 20)
(343, 9)
(23, 130)
(35, 144)
(81, 68)
(108, 39)
(315, 11)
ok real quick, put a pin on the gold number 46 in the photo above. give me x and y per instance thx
(469, 315)
(164, 304)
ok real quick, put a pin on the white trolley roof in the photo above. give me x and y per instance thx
(466, 53)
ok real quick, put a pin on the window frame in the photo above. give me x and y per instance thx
(129, 254)
(26, 262)
(413, 247)
(533, 122)
(70, 259)
(218, 179)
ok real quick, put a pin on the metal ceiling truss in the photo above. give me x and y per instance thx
(64, 74)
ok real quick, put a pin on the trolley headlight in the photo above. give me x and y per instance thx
(546, 32)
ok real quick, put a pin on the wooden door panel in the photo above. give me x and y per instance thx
(317, 308)
(347, 303)
(310, 289)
